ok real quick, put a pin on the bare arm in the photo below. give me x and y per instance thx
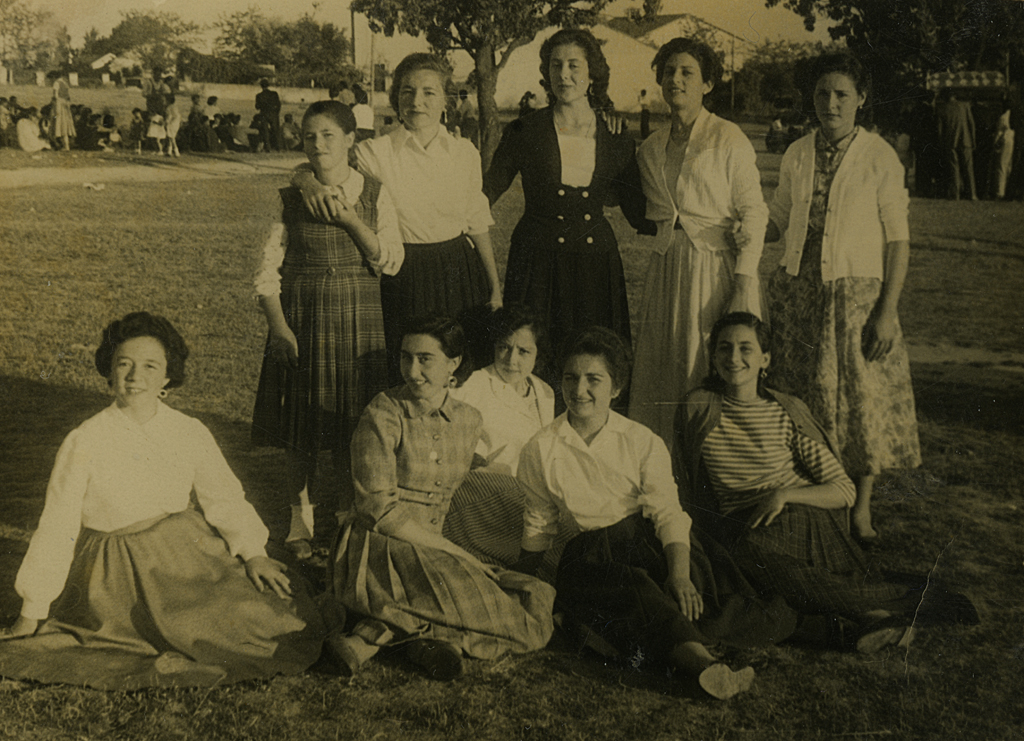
(482, 242)
(284, 347)
(882, 326)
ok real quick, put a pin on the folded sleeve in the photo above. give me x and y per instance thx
(374, 458)
(893, 200)
(222, 498)
(389, 235)
(659, 497)
(478, 208)
(822, 466)
(748, 200)
(46, 565)
(267, 281)
(540, 512)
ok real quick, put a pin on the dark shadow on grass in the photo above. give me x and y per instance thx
(980, 397)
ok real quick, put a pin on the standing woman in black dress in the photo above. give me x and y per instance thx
(564, 261)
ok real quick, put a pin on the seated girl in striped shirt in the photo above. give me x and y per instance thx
(764, 477)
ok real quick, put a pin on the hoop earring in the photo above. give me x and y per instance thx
(162, 393)
(452, 382)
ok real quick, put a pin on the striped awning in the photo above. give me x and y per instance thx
(938, 80)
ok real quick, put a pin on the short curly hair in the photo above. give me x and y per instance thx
(144, 324)
(414, 63)
(710, 62)
(597, 65)
(606, 344)
(510, 318)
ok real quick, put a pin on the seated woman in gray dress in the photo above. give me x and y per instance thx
(394, 576)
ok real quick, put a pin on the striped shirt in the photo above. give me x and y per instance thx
(756, 449)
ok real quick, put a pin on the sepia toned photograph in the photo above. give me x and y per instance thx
(583, 370)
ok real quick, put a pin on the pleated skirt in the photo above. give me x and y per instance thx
(442, 278)
(422, 592)
(167, 606)
(486, 519)
(808, 557)
(335, 313)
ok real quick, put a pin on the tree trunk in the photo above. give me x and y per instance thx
(486, 87)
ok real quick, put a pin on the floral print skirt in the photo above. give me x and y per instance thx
(818, 357)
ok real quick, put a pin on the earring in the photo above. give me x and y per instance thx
(452, 382)
(162, 393)
(763, 373)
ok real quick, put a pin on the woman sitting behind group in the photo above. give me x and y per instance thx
(486, 517)
(146, 590)
(632, 575)
(770, 478)
(393, 573)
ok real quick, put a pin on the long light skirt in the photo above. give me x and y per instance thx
(165, 606)
(423, 592)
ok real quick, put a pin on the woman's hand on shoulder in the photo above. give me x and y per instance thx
(616, 123)
(23, 626)
(264, 572)
(320, 199)
(769, 508)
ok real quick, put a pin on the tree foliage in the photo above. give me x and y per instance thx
(26, 35)
(767, 82)
(155, 38)
(489, 30)
(301, 51)
(923, 35)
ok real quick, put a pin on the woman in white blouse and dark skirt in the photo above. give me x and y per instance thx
(704, 191)
(633, 575)
(435, 182)
(125, 583)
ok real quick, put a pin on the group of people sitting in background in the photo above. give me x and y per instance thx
(708, 490)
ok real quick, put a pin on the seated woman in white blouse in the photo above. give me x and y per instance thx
(487, 510)
(127, 585)
(633, 575)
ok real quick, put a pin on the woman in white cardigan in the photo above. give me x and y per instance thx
(841, 209)
(704, 191)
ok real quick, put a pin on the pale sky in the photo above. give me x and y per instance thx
(748, 19)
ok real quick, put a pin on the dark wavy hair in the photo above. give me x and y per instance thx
(450, 335)
(597, 65)
(713, 381)
(844, 63)
(608, 345)
(710, 63)
(510, 319)
(338, 112)
(414, 63)
(144, 324)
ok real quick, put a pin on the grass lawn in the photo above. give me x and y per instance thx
(73, 259)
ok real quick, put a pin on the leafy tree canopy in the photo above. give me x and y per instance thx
(28, 37)
(156, 38)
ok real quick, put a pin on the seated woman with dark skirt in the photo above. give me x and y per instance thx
(125, 583)
(394, 576)
(632, 575)
(774, 493)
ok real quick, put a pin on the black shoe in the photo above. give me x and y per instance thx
(438, 659)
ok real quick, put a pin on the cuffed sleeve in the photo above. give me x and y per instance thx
(389, 235)
(46, 565)
(659, 497)
(222, 498)
(267, 281)
(748, 200)
(822, 466)
(540, 512)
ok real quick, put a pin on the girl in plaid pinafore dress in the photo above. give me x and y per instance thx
(319, 286)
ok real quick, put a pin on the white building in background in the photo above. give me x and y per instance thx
(628, 46)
